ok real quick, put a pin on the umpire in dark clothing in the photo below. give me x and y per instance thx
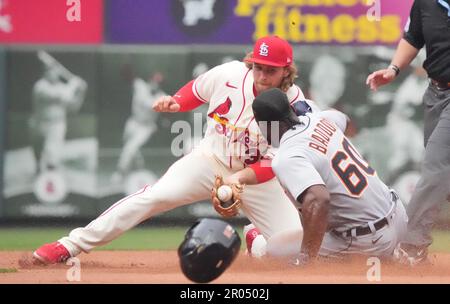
(429, 26)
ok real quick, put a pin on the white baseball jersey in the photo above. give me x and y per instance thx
(232, 134)
(316, 152)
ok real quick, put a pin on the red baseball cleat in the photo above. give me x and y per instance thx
(52, 253)
(250, 234)
(256, 244)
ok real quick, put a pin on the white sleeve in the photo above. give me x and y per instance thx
(205, 84)
(339, 118)
(296, 174)
(294, 94)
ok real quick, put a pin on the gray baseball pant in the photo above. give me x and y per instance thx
(433, 188)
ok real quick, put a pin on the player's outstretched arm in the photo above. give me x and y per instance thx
(315, 204)
(166, 104)
(182, 101)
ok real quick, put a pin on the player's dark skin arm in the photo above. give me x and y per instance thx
(315, 205)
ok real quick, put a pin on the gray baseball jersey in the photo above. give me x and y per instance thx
(316, 152)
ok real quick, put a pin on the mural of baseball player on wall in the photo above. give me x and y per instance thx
(51, 148)
(56, 94)
(134, 145)
(139, 127)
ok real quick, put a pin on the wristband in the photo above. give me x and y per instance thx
(395, 68)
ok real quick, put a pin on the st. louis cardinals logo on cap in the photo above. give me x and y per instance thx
(271, 50)
(264, 49)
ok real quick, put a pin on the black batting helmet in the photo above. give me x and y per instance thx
(273, 105)
(208, 249)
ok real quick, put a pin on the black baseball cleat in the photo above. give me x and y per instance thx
(411, 255)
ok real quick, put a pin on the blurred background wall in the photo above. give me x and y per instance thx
(71, 73)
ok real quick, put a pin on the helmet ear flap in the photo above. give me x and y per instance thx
(209, 248)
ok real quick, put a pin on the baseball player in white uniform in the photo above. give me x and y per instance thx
(141, 124)
(55, 94)
(232, 147)
(345, 208)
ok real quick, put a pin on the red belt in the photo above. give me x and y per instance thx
(440, 85)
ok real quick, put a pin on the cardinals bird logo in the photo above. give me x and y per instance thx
(218, 113)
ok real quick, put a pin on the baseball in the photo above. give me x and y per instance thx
(224, 193)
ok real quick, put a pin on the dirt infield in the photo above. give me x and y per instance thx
(154, 267)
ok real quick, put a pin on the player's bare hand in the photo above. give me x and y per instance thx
(380, 78)
(232, 179)
(166, 104)
(245, 176)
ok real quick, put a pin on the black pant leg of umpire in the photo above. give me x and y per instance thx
(433, 188)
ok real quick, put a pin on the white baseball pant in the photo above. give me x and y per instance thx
(188, 180)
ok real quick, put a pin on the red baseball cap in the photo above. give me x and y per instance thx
(273, 51)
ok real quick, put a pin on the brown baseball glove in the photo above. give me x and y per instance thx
(230, 208)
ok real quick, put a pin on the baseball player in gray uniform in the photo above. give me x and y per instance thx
(344, 207)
